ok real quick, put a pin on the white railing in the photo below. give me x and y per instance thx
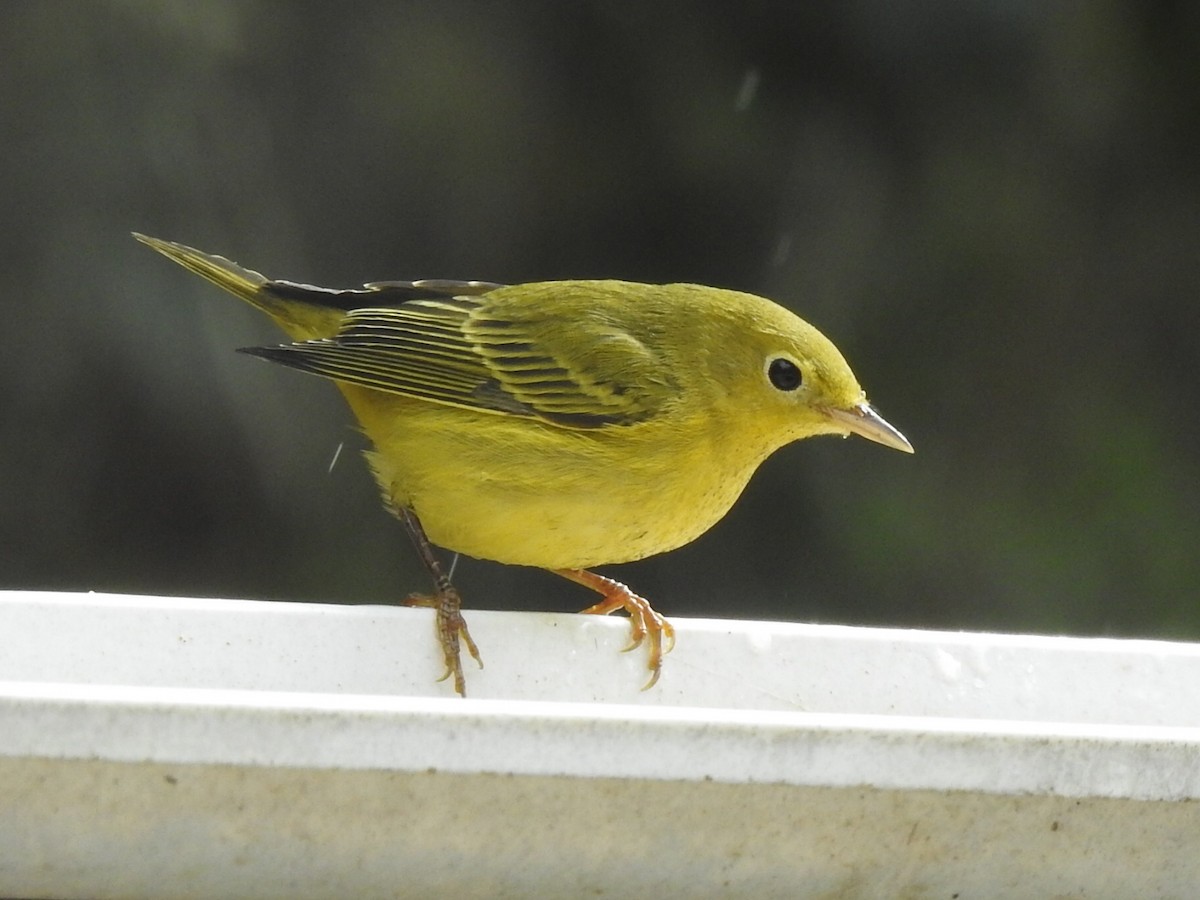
(174, 747)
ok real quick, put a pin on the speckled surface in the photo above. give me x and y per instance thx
(195, 748)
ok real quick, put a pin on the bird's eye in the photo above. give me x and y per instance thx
(784, 374)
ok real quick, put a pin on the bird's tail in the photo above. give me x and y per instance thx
(302, 311)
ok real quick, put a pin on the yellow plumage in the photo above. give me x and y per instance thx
(561, 424)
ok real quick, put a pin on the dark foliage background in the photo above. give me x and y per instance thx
(993, 208)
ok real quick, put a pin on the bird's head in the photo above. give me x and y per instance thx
(794, 383)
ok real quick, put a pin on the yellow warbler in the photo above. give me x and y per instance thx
(562, 424)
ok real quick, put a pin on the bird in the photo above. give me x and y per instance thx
(562, 425)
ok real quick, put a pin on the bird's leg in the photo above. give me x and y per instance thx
(451, 626)
(644, 622)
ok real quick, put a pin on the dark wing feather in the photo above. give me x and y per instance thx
(377, 293)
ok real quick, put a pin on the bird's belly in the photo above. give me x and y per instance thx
(615, 521)
(519, 492)
(553, 532)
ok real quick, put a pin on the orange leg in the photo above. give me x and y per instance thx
(644, 622)
(451, 626)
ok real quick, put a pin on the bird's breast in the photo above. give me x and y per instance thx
(522, 492)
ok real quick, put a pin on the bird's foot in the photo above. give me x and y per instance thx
(452, 629)
(645, 623)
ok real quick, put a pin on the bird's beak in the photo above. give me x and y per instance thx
(861, 419)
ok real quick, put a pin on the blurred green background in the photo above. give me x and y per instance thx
(992, 207)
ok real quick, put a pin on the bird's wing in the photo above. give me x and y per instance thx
(455, 350)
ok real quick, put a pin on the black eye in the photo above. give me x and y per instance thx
(784, 374)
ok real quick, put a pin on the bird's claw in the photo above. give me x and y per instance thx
(644, 621)
(452, 633)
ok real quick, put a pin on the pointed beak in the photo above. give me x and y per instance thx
(861, 419)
